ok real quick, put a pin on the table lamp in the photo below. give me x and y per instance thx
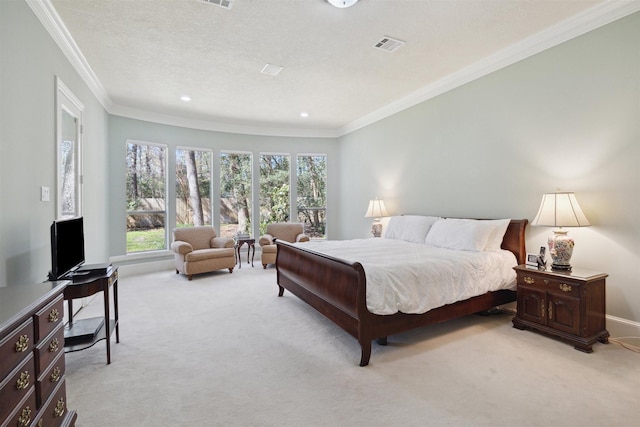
(376, 210)
(560, 210)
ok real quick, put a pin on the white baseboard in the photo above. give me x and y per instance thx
(619, 327)
(127, 270)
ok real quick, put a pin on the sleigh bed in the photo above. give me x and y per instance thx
(337, 288)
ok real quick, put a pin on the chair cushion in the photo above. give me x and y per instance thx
(204, 254)
(267, 249)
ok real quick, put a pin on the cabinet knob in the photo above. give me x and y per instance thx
(564, 287)
(55, 375)
(59, 409)
(22, 344)
(25, 417)
(23, 381)
(53, 346)
(54, 315)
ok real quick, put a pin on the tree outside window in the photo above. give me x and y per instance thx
(235, 193)
(312, 194)
(146, 197)
(193, 187)
(274, 189)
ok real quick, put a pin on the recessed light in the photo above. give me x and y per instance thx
(271, 69)
(303, 114)
(185, 98)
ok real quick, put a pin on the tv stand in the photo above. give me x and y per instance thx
(84, 333)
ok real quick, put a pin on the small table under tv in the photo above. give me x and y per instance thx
(81, 334)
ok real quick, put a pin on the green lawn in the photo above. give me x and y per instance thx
(145, 240)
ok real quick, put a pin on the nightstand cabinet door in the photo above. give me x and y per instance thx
(567, 304)
(532, 304)
(564, 313)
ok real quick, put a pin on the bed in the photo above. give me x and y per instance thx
(337, 288)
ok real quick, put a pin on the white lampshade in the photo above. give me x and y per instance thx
(376, 209)
(560, 210)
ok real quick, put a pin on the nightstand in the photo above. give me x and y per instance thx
(566, 304)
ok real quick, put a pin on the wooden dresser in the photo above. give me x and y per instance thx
(32, 367)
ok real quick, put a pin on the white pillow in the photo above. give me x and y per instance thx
(498, 228)
(412, 228)
(459, 234)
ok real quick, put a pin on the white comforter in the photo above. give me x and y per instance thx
(414, 278)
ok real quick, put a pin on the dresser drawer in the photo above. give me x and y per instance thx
(550, 284)
(15, 347)
(49, 348)
(52, 414)
(24, 413)
(16, 385)
(49, 379)
(47, 319)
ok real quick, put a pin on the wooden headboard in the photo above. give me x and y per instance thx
(514, 239)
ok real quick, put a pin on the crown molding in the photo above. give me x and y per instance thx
(582, 23)
(46, 13)
(568, 29)
(150, 116)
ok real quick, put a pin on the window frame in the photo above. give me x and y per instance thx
(67, 102)
(166, 196)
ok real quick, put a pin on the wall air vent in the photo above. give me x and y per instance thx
(222, 3)
(388, 44)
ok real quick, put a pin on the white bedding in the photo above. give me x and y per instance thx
(415, 278)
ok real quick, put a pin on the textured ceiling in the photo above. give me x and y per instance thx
(148, 53)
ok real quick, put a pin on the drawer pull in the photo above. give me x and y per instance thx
(53, 347)
(550, 310)
(564, 287)
(25, 417)
(54, 315)
(22, 344)
(542, 313)
(55, 375)
(546, 282)
(529, 280)
(59, 409)
(23, 381)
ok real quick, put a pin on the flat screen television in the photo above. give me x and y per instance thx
(67, 247)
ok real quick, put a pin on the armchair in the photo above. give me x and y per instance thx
(289, 231)
(199, 250)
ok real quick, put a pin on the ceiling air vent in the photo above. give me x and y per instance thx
(222, 3)
(388, 44)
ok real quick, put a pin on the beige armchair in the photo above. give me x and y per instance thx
(290, 231)
(199, 250)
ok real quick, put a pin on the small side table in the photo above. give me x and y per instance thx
(567, 304)
(251, 245)
(82, 334)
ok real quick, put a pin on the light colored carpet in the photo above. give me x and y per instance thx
(224, 350)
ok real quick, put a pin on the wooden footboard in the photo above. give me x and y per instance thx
(337, 289)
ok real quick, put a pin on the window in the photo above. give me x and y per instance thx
(274, 189)
(68, 152)
(146, 197)
(312, 194)
(193, 187)
(235, 193)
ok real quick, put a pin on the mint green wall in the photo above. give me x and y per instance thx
(29, 62)
(566, 118)
(121, 129)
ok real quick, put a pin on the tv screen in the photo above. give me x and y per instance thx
(67, 247)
